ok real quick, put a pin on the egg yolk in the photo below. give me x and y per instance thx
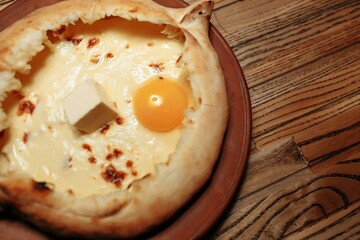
(159, 104)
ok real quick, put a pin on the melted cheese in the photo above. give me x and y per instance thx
(45, 146)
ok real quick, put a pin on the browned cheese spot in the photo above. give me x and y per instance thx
(75, 41)
(25, 107)
(109, 157)
(110, 174)
(92, 42)
(95, 59)
(158, 67)
(87, 147)
(105, 128)
(116, 153)
(25, 137)
(92, 159)
(134, 172)
(120, 120)
(109, 55)
(129, 164)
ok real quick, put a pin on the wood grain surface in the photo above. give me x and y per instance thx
(301, 60)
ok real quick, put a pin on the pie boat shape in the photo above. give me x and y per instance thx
(155, 197)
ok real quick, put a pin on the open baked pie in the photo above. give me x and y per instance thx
(132, 173)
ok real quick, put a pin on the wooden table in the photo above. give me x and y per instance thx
(301, 60)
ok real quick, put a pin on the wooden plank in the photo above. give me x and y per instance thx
(303, 101)
(329, 128)
(286, 49)
(271, 165)
(242, 24)
(238, 217)
(342, 225)
(352, 154)
(308, 98)
(331, 137)
(308, 120)
(296, 207)
(306, 78)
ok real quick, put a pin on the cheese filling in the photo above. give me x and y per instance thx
(120, 55)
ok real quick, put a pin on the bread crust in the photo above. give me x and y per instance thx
(155, 198)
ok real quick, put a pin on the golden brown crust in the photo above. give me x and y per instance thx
(155, 198)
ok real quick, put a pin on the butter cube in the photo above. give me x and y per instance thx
(88, 107)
